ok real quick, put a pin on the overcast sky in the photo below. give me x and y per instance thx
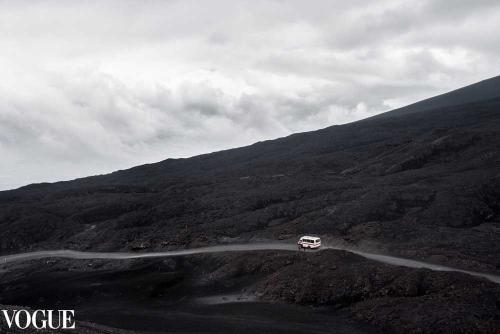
(89, 87)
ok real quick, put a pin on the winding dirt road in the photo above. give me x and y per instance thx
(391, 260)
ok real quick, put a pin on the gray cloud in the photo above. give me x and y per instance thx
(91, 87)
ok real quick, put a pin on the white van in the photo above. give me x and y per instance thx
(309, 242)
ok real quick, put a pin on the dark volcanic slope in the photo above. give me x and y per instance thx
(192, 294)
(481, 91)
(423, 181)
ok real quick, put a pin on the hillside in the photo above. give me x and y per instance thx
(423, 179)
(422, 182)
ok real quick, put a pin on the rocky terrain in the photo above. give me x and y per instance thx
(422, 181)
(195, 293)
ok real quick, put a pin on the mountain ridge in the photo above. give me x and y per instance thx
(418, 185)
(488, 89)
(357, 169)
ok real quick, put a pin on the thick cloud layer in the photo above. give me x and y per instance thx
(89, 87)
